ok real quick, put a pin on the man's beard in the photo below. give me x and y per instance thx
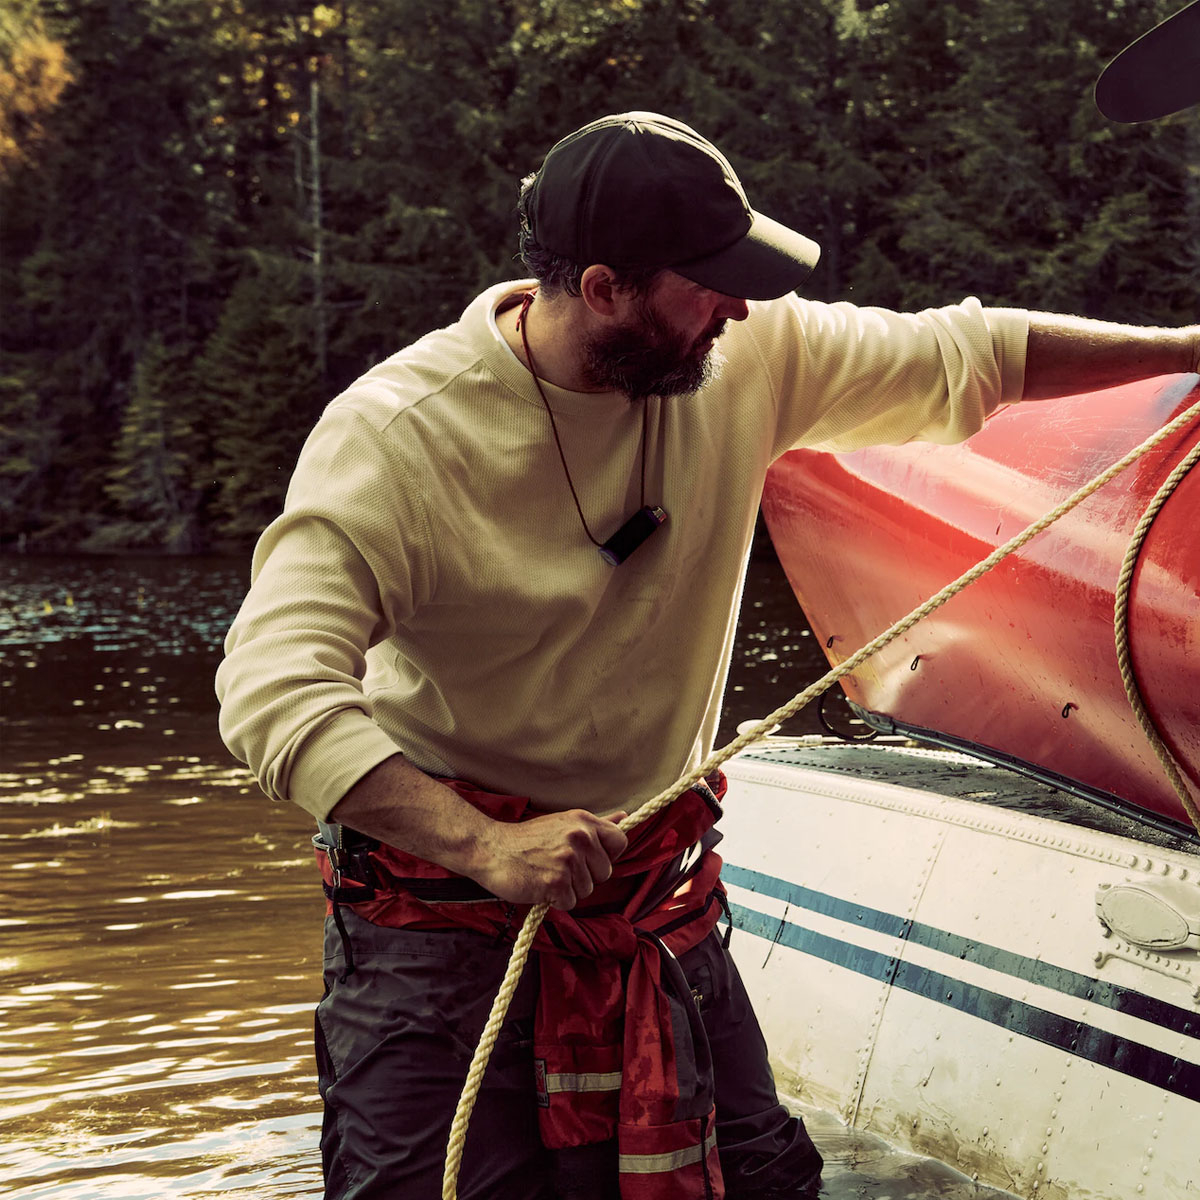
(649, 358)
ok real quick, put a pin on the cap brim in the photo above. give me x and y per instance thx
(1157, 75)
(770, 261)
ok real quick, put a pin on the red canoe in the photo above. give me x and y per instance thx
(1022, 665)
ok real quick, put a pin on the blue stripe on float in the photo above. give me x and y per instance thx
(1031, 970)
(1074, 1037)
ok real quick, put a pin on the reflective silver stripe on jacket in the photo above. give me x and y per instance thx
(653, 1164)
(584, 1081)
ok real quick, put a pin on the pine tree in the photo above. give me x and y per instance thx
(261, 380)
(150, 484)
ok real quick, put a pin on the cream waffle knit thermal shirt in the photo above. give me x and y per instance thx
(429, 588)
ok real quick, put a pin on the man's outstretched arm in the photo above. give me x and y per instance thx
(1067, 355)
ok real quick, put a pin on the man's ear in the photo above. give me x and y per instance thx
(601, 292)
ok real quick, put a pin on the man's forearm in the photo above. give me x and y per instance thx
(556, 858)
(1067, 355)
(402, 806)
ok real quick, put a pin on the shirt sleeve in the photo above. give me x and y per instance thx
(348, 560)
(845, 377)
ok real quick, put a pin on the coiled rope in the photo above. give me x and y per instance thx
(1121, 633)
(535, 916)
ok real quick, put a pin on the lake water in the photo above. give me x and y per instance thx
(160, 931)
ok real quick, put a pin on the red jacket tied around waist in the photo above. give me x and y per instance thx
(619, 1048)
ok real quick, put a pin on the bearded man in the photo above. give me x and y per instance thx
(497, 611)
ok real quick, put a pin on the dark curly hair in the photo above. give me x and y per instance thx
(555, 273)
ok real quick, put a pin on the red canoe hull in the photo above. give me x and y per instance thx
(1023, 663)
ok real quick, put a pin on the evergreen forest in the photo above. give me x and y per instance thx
(216, 213)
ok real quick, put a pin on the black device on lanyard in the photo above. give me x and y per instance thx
(632, 534)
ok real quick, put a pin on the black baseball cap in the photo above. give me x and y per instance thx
(639, 190)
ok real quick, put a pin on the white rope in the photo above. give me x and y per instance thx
(520, 951)
(1121, 634)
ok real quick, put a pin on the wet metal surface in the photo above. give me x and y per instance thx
(159, 933)
(860, 1166)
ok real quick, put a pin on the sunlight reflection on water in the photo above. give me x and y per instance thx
(162, 931)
